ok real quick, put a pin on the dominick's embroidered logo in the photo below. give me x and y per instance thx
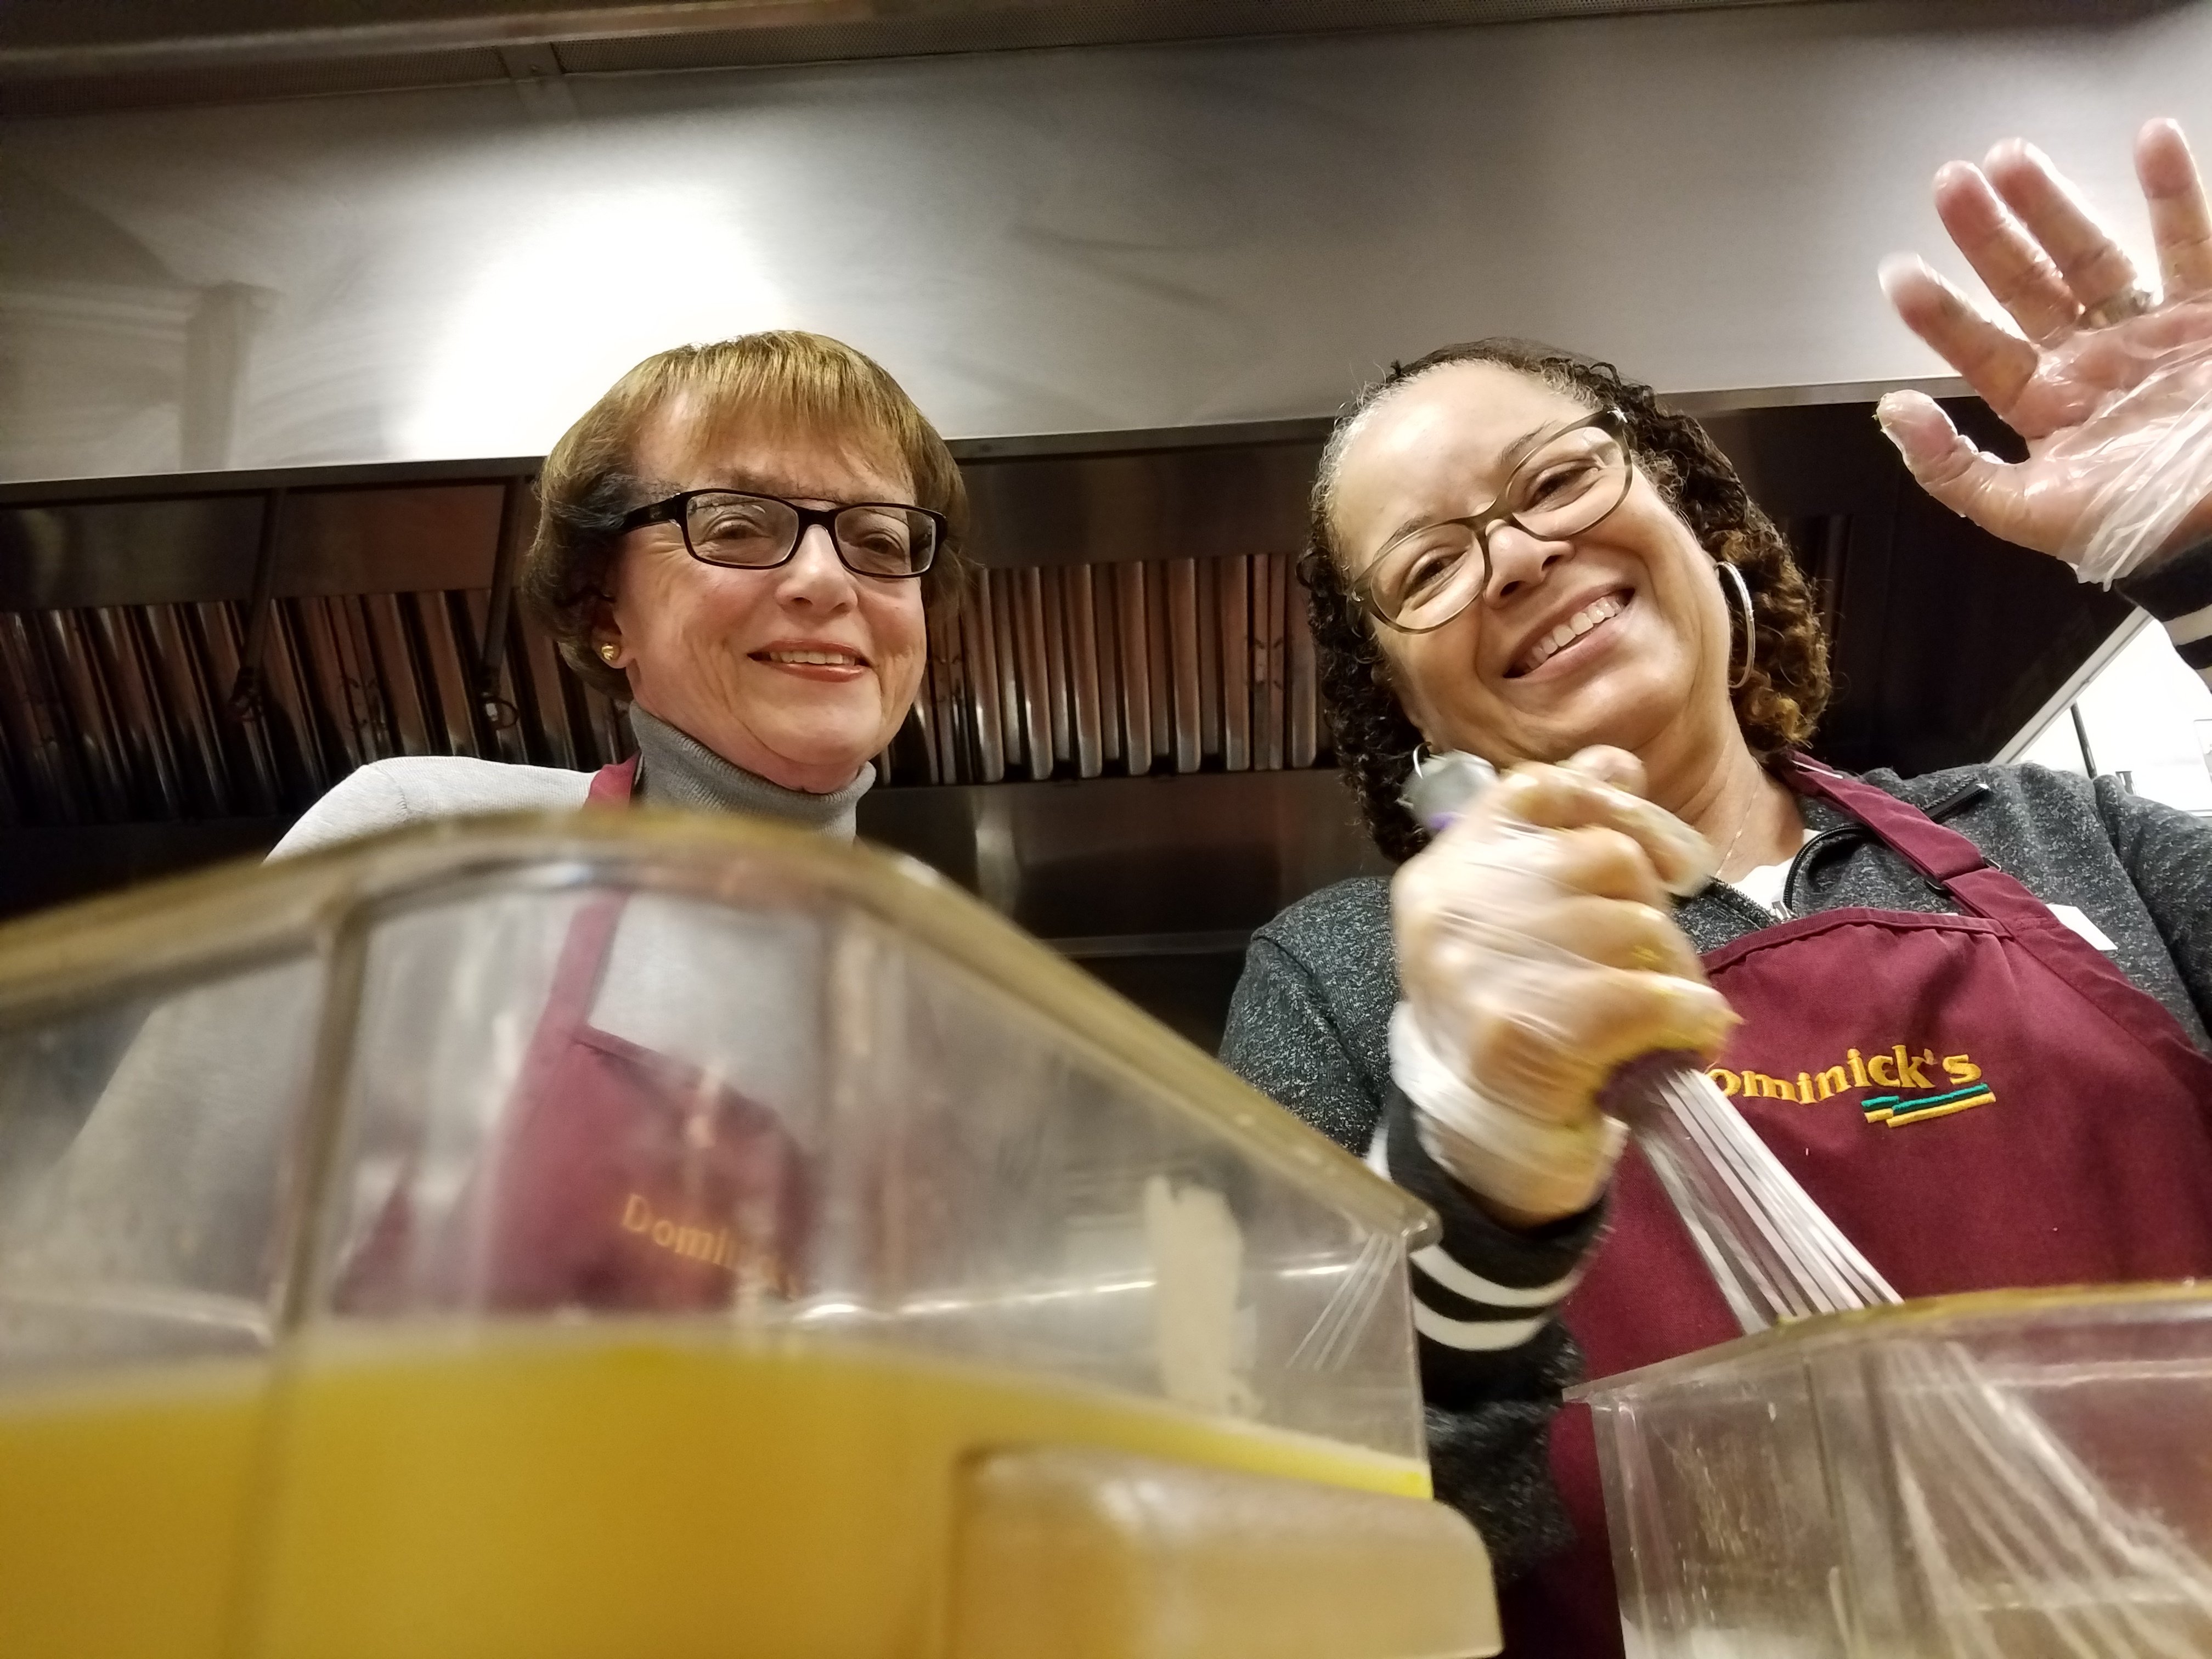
(708, 1244)
(1904, 1086)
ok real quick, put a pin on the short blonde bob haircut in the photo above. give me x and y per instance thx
(785, 380)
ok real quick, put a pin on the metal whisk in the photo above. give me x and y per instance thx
(1774, 1252)
(2083, 1574)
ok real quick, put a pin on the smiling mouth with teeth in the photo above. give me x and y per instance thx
(814, 659)
(1589, 616)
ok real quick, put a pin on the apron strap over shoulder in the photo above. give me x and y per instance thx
(613, 785)
(1982, 888)
(1942, 855)
(584, 956)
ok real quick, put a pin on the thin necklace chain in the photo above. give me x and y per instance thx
(1741, 824)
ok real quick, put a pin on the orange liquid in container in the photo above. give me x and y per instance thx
(640, 1493)
(121, 1508)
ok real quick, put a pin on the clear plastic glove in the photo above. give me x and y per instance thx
(2111, 390)
(1536, 953)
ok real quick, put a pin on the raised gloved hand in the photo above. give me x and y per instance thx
(1536, 953)
(2112, 389)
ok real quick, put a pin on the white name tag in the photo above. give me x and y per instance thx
(2081, 925)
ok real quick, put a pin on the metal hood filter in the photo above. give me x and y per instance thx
(260, 647)
(228, 647)
(131, 713)
(1165, 665)
(187, 663)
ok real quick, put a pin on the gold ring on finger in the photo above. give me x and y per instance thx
(2129, 301)
(1648, 960)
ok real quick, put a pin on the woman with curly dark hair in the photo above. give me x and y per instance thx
(1927, 994)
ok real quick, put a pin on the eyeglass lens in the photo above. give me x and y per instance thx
(758, 531)
(1567, 485)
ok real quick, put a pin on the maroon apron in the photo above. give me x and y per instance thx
(1978, 1101)
(618, 1179)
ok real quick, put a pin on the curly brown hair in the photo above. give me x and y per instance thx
(1778, 706)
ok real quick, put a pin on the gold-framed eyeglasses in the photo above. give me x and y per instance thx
(1569, 480)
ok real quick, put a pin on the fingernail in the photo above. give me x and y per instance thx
(1898, 269)
(1890, 408)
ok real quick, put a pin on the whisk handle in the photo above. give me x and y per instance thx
(1632, 1093)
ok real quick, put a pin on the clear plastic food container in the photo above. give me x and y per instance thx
(632, 1236)
(2014, 1475)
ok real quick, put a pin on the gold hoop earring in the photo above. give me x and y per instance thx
(1742, 590)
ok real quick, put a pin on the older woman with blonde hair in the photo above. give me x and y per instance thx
(738, 542)
(1968, 1011)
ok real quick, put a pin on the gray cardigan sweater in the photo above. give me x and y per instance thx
(1309, 1025)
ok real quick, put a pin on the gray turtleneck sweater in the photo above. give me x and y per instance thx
(675, 770)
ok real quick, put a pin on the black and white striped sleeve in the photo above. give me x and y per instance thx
(2179, 592)
(1490, 1402)
(1484, 1294)
(1485, 1297)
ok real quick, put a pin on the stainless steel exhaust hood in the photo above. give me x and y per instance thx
(186, 663)
(232, 646)
(272, 335)
(1120, 743)
(1042, 242)
(228, 646)
(60, 57)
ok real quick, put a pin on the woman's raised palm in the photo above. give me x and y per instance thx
(2111, 390)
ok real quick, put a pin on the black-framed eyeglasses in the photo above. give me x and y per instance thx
(743, 531)
(1570, 481)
